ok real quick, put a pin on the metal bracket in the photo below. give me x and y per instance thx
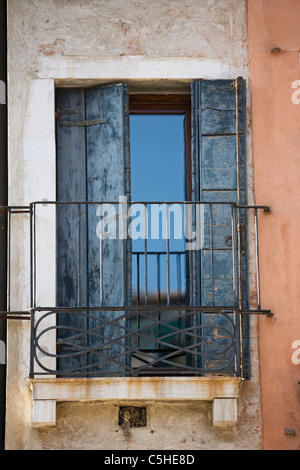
(4, 210)
(20, 315)
(268, 313)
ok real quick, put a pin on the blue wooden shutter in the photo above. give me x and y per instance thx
(214, 179)
(92, 165)
(71, 186)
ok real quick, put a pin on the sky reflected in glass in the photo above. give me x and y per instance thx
(157, 149)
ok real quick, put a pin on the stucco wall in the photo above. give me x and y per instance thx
(177, 426)
(276, 123)
(158, 44)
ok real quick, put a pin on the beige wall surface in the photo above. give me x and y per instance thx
(159, 43)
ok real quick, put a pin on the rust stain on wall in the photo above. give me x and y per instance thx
(134, 47)
(52, 49)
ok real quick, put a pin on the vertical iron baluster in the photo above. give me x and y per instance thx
(158, 292)
(122, 231)
(138, 279)
(239, 226)
(168, 254)
(257, 260)
(31, 259)
(234, 255)
(158, 278)
(101, 257)
(212, 253)
(79, 255)
(34, 255)
(178, 256)
(238, 343)
(138, 295)
(178, 260)
(124, 271)
(189, 275)
(146, 255)
(32, 340)
(9, 259)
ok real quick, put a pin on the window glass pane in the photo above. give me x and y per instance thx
(157, 157)
(157, 148)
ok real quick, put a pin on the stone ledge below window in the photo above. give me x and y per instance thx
(221, 391)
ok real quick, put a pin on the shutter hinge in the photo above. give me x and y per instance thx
(237, 83)
(242, 230)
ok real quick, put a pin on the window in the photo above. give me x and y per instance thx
(160, 172)
(118, 302)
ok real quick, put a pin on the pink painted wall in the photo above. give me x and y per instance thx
(276, 150)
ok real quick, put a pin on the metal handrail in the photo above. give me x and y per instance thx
(144, 311)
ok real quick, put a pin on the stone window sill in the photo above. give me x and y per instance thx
(221, 391)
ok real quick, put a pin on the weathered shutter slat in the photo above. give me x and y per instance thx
(214, 179)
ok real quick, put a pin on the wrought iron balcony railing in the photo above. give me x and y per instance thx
(139, 288)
